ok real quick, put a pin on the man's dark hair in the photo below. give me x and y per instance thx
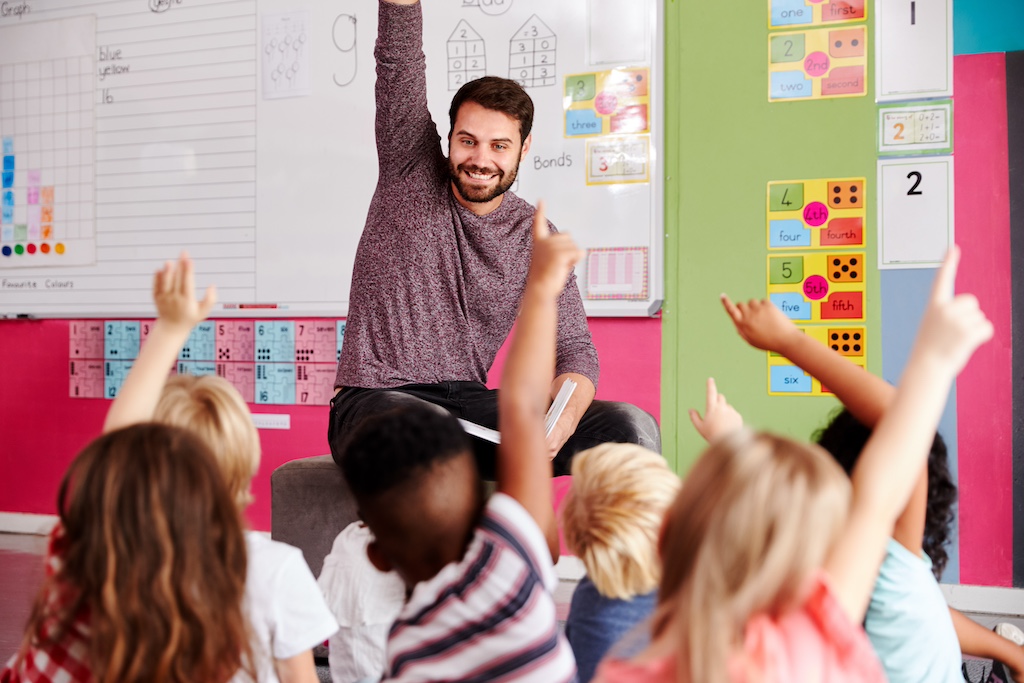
(393, 447)
(845, 437)
(497, 94)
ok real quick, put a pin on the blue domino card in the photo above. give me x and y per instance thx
(340, 331)
(121, 339)
(201, 344)
(114, 372)
(275, 383)
(275, 341)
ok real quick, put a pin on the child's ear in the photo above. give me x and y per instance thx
(377, 558)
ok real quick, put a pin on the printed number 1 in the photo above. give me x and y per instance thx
(913, 13)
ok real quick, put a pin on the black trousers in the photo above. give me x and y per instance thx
(604, 421)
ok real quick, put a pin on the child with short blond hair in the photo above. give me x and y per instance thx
(611, 520)
(284, 605)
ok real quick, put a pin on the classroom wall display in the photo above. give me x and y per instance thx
(817, 64)
(915, 211)
(913, 49)
(278, 362)
(915, 128)
(242, 131)
(813, 12)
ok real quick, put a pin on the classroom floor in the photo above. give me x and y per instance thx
(21, 574)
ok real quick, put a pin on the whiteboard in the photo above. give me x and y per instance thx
(139, 128)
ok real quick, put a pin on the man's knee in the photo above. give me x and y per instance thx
(349, 412)
(626, 423)
(642, 427)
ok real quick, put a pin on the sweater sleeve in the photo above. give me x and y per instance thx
(406, 135)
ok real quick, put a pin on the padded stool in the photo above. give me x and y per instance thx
(310, 504)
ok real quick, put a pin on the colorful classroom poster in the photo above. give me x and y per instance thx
(816, 214)
(625, 159)
(817, 64)
(915, 129)
(792, 13)
(284, 362)
(617, 273)
(784, 378)
(818, 287)
(607, 102)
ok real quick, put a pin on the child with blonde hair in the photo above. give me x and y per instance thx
(770, 552)
(284, 605)
(917, 636)
(611, 520)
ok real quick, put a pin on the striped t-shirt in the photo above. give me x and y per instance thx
(490, 616)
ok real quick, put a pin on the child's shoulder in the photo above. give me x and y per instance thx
(510, 526)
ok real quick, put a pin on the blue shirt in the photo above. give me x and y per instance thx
(596, 623)
(909, 624)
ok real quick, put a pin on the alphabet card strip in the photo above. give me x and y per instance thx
(817, 64)
(816, 214)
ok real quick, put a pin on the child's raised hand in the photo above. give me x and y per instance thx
(174, 288)
(719, 419)
(953, 326)
(554, 256)
(760, 323)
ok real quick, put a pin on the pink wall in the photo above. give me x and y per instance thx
(984, 390)
(41, 428)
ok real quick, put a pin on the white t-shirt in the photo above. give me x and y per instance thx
(284, 605)
(365, 602)
(489, 616)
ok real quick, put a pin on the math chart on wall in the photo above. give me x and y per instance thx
(283, 362)
(816, 270)
(47, 119)
(242, 132)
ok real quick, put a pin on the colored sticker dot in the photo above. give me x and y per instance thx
(6, 251)
(815, 214)
(19, 249)
(605, 103)
(31, 248)
(45, 248)
(59, 248)
(815, 287)
(816, 64)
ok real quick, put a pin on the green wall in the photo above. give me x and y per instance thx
(723, 142)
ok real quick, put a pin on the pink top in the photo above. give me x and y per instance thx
(817, 642)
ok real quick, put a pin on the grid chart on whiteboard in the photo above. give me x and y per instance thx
(171, 149)
(47, 132)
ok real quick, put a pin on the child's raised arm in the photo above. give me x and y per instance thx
(866, 396)
(764, 326)
(523, 466)
(952, 328)
(178, 312)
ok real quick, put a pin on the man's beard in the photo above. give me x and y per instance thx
(481, 195)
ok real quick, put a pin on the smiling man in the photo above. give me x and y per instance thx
(442, 263)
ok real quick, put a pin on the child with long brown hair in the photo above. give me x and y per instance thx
(285, 607)
(145, 570)
(770, 554)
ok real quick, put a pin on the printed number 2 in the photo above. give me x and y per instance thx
(913, 188)
(899, 132)
(789, 48)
